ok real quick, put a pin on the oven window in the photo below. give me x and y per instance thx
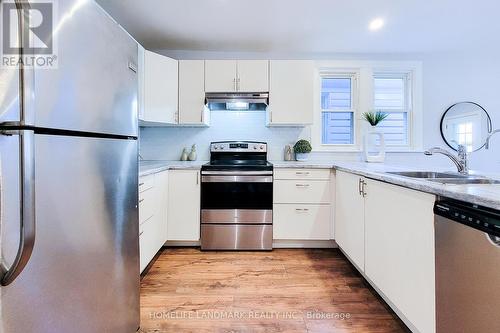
(236, 195)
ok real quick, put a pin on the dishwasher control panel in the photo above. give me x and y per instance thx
(477, 217)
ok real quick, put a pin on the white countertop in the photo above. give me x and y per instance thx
(484, 195)
(151, 167)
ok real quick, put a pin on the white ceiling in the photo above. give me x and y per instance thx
(310, 26)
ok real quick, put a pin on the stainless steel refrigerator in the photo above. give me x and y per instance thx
(68, 181)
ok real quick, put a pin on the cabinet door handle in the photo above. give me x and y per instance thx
(234, 85)
(140, 184)
(197, 178)
(302, 185)
(301, 210)
(363, 188)
(141, 200)
(360, 182)
(140, 234)
(298, 173)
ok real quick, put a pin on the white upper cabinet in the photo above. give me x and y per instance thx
(253, 76)
(140, 81)
(291, 92)
(220, 75)
(236, 75)
(192, 110)
(161, 89)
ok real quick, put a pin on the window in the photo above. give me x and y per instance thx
(337, 109)
(392, 96)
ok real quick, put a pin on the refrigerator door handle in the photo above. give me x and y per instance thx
(27, 207)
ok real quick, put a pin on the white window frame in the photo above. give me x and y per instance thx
(364, 101)
(353, 76)
(408, 101)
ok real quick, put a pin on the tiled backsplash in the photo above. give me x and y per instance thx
(166, 143)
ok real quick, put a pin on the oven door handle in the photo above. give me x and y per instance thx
(237, 173)
(237, 179)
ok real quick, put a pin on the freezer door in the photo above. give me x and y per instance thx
(9, 80)
(94, 87)
(83, 274)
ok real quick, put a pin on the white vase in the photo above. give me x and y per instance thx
(373, 151)
(301, 157)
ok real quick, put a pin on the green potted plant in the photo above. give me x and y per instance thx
(302, 149)
(374, 118)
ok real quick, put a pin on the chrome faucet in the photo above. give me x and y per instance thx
(460, 161)
(487, 145)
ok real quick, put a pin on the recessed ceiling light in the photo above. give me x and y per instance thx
(376, 24)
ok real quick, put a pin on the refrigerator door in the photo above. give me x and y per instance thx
(83, 274)
(94, 87)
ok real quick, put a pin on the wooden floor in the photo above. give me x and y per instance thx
(280, 291)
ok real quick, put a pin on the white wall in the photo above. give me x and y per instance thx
(451, 78)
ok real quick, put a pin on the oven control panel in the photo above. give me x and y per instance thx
(238, 146)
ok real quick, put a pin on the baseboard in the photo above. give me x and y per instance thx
(277, 244)
(182, 243)
(303, 244)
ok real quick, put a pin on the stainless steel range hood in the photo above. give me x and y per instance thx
(237, 101)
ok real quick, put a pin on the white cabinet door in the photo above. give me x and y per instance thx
(220, 75)
(147, 244)
(296, 221)
(399, 225)
(253, 75)
(350, 217)
(153, 201)
(183, 223)
(192, 110)
(161, 88)
(161, 186)
(291, 86)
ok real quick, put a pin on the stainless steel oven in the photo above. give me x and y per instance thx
(237, 198)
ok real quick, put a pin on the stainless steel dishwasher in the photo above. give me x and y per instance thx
(467, 267)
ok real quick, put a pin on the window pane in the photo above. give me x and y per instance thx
(336, 93)
(395, 129)
(389, 93)
(337, 128)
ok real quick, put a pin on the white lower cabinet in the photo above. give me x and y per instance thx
(183, 205)
(350, 217)
(153, 190)
(399, 241)
(387, 231)
(302, 204)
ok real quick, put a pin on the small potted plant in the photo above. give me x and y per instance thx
(374, 140)
(374, 118)
(302, 148)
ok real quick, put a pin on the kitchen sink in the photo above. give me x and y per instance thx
(447, 178)
(428, 174)
(465, 181)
